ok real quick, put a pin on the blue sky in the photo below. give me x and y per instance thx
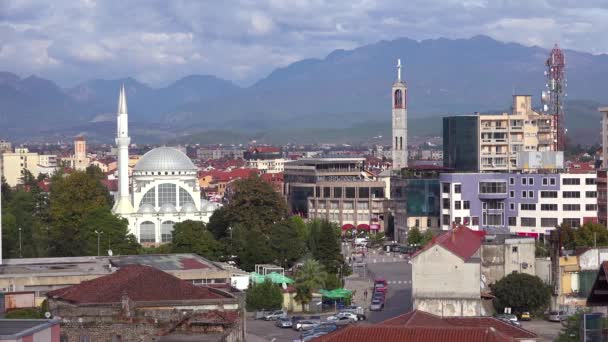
(160, 41)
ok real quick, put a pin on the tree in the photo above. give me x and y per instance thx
(310, 277)
(521, 292)
(328, 251)
(390, 227)
(286, 243)
(300, 227)
(264, 296)
(567, 236)
(414, 237)
(590, 235)
(79, 206)
(193, 237)
(252, 247)
(571, 328)
(332, 282)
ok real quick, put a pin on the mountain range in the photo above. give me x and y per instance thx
(338, 92)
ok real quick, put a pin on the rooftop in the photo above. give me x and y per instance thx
(461, 240)
(165, 159)
(17, 328)
(140, 283)
(421, 326)
(166, 262)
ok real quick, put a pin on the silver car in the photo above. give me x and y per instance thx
(284, 322)
(273, 316)
(304, 325)
(376, 305)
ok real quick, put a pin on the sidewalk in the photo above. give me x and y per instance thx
(358, 285)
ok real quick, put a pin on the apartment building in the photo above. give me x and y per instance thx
(336, 189)
(266, 159)
(496, 140)
(526, 204)
(14, 163)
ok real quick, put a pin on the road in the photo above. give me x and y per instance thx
(399, 278)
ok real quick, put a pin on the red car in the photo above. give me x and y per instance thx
(380, 285)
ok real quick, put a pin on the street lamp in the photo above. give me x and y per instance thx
(20, 252)
(98, 236)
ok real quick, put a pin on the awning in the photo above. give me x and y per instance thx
(528, 234)
(374, 226)
(348, 226)
(363, 226)
(336, 294)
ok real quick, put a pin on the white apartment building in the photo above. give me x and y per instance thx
(502, 136)
(526, 204)
(267, 165)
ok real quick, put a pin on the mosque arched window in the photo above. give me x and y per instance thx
(184, 197)
(147, 232)
(167, 194)
(149, 198)
(166, 230)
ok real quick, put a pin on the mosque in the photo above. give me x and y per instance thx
(164, 188)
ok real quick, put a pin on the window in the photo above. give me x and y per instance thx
(571, 194)
(492, 187)
(511, 180)
(166, 194)
(166, 229)
(417, 223)
(147, 232)
(466, 220)
(349, 192)
(590, 181)
(362, 205)
(326, 192)
(457, 220)
(591, 207)
(571, 207)
(364, 192)
(523, 180)
(348, 205)
(514, 249)
(475, 220)
(184, 197)
(457, 205)
(548, 222)
(457, 188)
(446, 219)
(512, 194)
(552, 181)
(445, 188)
(590, 194)
(528, 222)
(446, 203)
(548, 207)
(466, 205)
(337, 192)
(530, 194)
(512, 206)
(512, 221)
(528, 206)
(494, 219)
(149, 197)
(545, 181)
(524, 194)
(548, 194)
(571, 181)
(572, 222)
(530, 181)
(493, 205)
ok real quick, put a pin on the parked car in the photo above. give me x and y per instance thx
(284, 322)
(295, 319)
(304, 325)
(349, 315)
(525, 316)
(557, 316)
(322, 327)
(314, 318)
(377, 305)
(274, 315)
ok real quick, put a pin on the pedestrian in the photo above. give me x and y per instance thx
(365, 294)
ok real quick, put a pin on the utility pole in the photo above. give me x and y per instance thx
(98, 241)
(20, 252)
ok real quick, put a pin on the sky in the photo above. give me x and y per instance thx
(159, 41)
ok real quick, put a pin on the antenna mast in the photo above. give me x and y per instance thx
(553, 98)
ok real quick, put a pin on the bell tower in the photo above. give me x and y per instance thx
(399, 105)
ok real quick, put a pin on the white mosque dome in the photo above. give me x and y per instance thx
(189, 208)
(146, 208)
(165, 159)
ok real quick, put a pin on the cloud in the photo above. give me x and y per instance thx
(159, 41)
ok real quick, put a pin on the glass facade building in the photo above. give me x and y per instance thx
(461, 143)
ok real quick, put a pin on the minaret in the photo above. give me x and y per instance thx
(123, 202)
(399, 142)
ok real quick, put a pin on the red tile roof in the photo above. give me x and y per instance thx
(422, 326)
(417, 334)
(265, 149)
(461, 240)
(140, 283)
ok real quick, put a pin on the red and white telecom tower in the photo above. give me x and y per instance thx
(553, 98)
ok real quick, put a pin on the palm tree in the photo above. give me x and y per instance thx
(309, 278)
